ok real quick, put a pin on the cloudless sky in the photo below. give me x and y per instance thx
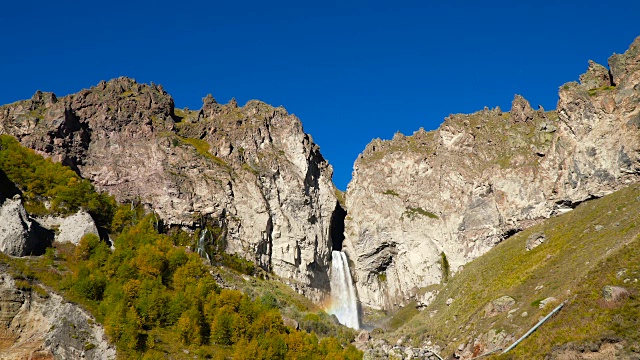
(350, 70)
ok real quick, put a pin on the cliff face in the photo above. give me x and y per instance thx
(250, 170)
(459, 190)
(41, 325)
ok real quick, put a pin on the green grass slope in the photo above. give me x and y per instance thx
(593, 246)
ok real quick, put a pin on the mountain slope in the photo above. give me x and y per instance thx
(497, 297)
(456, 192)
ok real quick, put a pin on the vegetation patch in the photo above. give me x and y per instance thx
(340, 195)
(202, 147)
(596, 91)
(391, 192)
(412, 212)
(382, 277)
(403, 315)
(444, 263)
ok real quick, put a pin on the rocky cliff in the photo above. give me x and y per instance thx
(250, 170)
(421, 204)
(37, 324)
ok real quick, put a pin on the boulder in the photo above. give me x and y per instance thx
(499, 306)
(547, 301)
(364, 336)
(535, 240)
(290, 322)
(614, 293)
(74, 227)
(16, 229)
(521, 110)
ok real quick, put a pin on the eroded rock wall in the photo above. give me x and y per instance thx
(463, 188)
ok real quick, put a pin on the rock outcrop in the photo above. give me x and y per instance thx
(41, 325)
(458, 191)
(17, 236)
(250, 170)
(71, 228)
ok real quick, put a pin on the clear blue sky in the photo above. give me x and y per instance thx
(350, 70)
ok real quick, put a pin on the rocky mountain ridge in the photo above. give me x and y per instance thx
(421, 204)
(251, 170)
(419, 207)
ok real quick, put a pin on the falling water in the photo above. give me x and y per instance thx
(202, 241)
(343, 295)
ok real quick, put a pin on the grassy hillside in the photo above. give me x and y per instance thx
(595, 245)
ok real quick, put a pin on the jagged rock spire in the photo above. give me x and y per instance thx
(596, 76)
(622, 64)
(521, 110)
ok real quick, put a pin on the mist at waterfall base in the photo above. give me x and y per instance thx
(344, 304)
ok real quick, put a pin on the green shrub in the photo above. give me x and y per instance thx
(412, 212)
(445, 267)
(391, 192)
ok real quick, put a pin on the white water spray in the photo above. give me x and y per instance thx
(202, 241)
(344, 304)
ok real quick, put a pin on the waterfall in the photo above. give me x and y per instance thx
(344, 304)
(202, 242)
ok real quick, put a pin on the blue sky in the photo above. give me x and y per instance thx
(350, 70)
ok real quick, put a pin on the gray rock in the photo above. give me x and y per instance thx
(521, 110)
(48, 326)
(290, 322)
(622, 65)
(363, 336)
(547, 301)
(614, 293)
(535, 240)
(16, 229)
(499, 306)
(596, 76)
(74, 227)
(251, 169)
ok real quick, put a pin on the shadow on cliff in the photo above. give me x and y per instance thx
(7, 188)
